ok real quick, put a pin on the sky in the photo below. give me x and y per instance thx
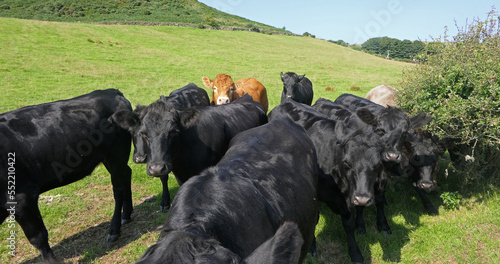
(355, 21)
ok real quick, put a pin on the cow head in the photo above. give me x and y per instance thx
(157, 130)
(424, 161)
(392, 125)
(182, 247)
(130, 121)
(290, 85)
(224, 89)
(360, 167)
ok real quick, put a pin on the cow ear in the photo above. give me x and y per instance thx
(281, 75)
(125, 119)
(140, 110)
(366, 116)
(301, 77)
(187, 116)
(283, 248)
(207, 82)
(419, 120)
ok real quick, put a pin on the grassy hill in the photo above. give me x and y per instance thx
(184, 12)
(45, 61)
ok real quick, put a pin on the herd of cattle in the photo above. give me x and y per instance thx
(250, 181)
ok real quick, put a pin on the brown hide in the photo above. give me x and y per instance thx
(226, 91)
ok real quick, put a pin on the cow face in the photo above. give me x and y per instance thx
(159, 130)
(391, 125)
(154, 132)
(361, 166)
(424, 165)
(224, 89)
(290, 85)
(131, 121)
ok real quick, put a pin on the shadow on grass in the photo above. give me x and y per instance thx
(90, 243)
(403, 214)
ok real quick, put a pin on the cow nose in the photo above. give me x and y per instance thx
(362, 200)
(157, 169)
(425, 185)
(139, 158)
(392, 156)
(222, 101)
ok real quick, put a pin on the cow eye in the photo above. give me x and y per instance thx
(347, 165)
(232, 89)
(215, 88)
(144, 136)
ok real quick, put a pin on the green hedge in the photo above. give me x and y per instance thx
(459, 84)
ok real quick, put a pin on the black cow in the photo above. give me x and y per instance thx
(185, 97)
(392, 126)
(297, 88)
(188, 141)
(54, 144)
(391, 123)
(421, 163)
(232, 212)
(349, 163)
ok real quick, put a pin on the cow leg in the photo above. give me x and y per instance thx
(29, 218)
(165, 197)
(121, 179)
(380, 203)
(353, 248)
(313, 250)
(360, 221)
(426, 202)
(330, 194)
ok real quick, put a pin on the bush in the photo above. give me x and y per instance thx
(458, 82)
(210, 20)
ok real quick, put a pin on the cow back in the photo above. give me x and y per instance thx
(382, 95)
(188, 96)
(268, 172)
(255, 89)
(61, 142)
(207, 132)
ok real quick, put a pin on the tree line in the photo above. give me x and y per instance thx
(390, 48)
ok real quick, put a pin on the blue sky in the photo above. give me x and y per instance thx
(355, 21)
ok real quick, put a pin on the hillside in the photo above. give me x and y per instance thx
(66, 59)
(150, 12)
(44, 61)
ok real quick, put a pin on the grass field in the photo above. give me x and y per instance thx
(47, 61)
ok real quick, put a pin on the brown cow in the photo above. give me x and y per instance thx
(382, 95)
(226, 91)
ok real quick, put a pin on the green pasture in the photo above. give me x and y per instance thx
(47, 61)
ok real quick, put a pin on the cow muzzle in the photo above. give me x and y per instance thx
(222, 100)
(157, 170)
(392, 156)
(362, 200)
(426, 185)
(139, 158)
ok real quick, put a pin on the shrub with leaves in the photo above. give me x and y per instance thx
(458, 82)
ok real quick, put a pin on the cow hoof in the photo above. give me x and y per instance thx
(164, 209)
(126, 221)
(111, 238)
